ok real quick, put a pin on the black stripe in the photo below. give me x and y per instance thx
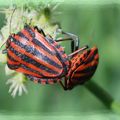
(89, 59)
(29, 77)
(57, 46)
(62, 61)
(12, 66)
(18, 43)
(87, 70)
(58, 55)
(35, 52)
(66, 60)
(85, 77)
(39, 79)
(96, 51)
(35, 41)
(12, 59)
(31, 61)
(48, 60)
(33, 78)
(62, 52)
(54, 81)
(92, 57)
(86, 53)
(22, 35)
(29, 30)
(31, 70)
(49, 40)
(23, 66)
(38, 43)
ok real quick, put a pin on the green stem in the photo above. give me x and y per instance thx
(100, 93)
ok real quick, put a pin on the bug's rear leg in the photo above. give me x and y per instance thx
(69, 36)
(74, 42)
(77, 51)
(40, 30)
(64, 86)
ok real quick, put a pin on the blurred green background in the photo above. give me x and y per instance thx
(96, 24)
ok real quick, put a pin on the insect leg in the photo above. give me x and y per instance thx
(64, 86)
(74, 39)
(40, 30)
(80, 49)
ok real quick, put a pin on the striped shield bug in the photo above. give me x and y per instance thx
(36, 55)
(82, 67)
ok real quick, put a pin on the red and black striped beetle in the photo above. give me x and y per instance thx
(36, 55)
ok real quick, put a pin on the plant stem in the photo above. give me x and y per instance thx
(100, 93)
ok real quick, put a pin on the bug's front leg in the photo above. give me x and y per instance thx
(77, 51)
(69, 36)
(40, 30)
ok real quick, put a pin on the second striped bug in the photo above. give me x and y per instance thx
(82, 68)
